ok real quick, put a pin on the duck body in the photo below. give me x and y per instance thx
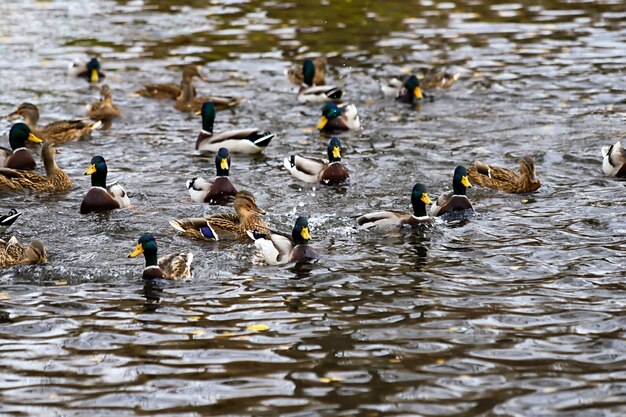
(296, 72)
(176, 266)
(18, 157)
(312, 92)
(314, 170)
(171, 91)
(56, 132)
(221, 191)
(389, 220)
(279, 248)
(225, 226)
(104, 109)
(455, 200)
(614, 160)
(14, 253)
(55, 179)
(90, 71)
(101, 197)
(526, 181)
(248, 141)
(188, 102)
(338, 117)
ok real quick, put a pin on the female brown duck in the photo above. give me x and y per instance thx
(526, 181)
(55, 179)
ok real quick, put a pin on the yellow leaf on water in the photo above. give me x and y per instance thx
(60, 283)
(197, 332)
(4, 296)
(440, 361)
(394, 360)
(331, 379)
(453, 329)
(194, 318)
(258, 327)
(307, 130)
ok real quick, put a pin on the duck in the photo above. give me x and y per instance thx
(104, 109)
(188, 102)
(225, 225)
(57, 132)
(428, 79)
(392, 219)
(339, 117)
(101, 197)
(18, 157)
(172, 90)
(247, 141)
(296, 72)
(55, 180)
(221, 191)
(310, 93)
(91, 71)
(176, 266)
(7, 220)
(315, 170)
(279, 248)
(410, 91)
(12, 253)
(614, 160)
(455, 200)
(509, 181)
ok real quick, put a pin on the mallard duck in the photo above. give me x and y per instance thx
(506, 180)
(279, 248)
(55, 179)
(101, 197)
(7, 220)
(391, 219)
(57, 132)
(175, 266)
(225, 225)
(315, 170)
(310, 93)
(339, 117)
(14, 253)
(245, 141)
(454, 200)
(410, 91)
(104, 109)
(428, 79)
(18, 157)
(91, 71)
(172, 90)
(220, 191)
(188, 102)
(614, 160)
(296, 72)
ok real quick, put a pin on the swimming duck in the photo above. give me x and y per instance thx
(7, 220)
(172, 90)
(391, 219)
(310, 93)
(315, 170)
(454, 200)
(279, 248)
(104, 109)
(57, 132)
(410, 91)
(175, 266)
(188, 102)
(18, 157)
(14, 253)
(526, 181)
(91, 71)
(101, 197)
(220, 191)
(225, 225)
(428, 79)
(245, 141)
(614, 160)
(296, 72)
(55, 179)
(339, 117)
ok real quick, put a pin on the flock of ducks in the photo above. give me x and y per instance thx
(17, 167)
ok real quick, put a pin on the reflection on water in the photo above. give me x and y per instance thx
(514, 312)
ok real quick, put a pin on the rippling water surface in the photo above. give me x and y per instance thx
(518, 311)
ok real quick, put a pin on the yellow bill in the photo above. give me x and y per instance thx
(94, 76)
(426, 199)
(224, 163)
(322, 123)
(305, 233)
(466, 182)
(138, 251)
(91, 169)
(336, 152)
(199, 113)
(34, 138)
(417, 92)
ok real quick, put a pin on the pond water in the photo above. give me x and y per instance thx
(518, 311)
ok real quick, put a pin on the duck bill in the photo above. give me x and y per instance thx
(34, 138)
(138, 251)
(91, 169)
(466, 182)
(13, 115)
(336, 152)
(417, 92)
(257, 209)
(322, 123)
(425, 199)
(224, 163)
(305, 233)
(94, 76)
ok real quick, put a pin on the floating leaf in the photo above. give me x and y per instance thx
(4, 296)
(60, 283)
(197, 332)
(194, 318)
(331, 379)
(307, 130)
(453, 329)
(258, 327)
(440, 361)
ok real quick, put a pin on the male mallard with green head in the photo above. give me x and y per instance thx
(55, 180)
(310, 93)
(455, 200)
(339, 117)
(279, 248)
(220, 191)
(315, 170)
(101, 197)
(18, 157)
(176, 266)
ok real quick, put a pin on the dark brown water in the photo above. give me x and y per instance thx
(519, 311)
